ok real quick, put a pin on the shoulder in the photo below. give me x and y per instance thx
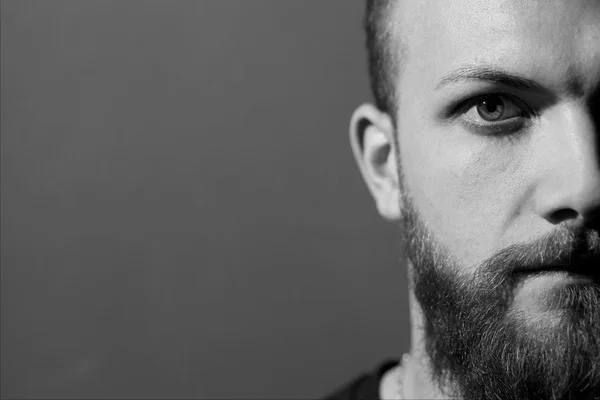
(365, 386)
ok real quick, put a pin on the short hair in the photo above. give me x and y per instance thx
(380, 55)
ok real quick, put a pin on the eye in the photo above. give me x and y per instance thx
(494, 108)
(496, 115)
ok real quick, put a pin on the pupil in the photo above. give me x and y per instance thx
(491, 106)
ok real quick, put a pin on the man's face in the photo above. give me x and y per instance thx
(481, 185)
(498, 126)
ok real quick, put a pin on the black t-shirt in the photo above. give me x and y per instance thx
(364, 387)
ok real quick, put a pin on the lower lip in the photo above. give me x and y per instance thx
(557, 274)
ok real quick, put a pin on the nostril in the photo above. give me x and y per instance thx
(564, 214)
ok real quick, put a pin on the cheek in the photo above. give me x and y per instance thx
(463, 187)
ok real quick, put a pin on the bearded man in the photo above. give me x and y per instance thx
(484, 143)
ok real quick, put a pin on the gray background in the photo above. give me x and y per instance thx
(181, 214)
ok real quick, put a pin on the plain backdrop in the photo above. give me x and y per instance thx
(181, 213)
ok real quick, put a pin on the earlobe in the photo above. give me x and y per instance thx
(372, 140)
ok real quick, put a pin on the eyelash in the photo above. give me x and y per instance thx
(503, 128)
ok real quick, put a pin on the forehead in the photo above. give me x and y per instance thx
(556, 42)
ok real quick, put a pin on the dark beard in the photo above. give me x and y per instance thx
(480, 347)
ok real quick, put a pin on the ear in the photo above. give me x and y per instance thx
(372, 140)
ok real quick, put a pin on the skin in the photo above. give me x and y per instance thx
(476, 189)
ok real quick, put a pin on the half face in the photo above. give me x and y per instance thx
(498, 134)
(498, 123)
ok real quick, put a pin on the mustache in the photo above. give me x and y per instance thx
(566, 248)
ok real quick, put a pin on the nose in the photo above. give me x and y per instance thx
(569, 190)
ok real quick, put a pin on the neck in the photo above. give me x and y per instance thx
(417, 382)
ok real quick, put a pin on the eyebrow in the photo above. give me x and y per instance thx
(487, 74)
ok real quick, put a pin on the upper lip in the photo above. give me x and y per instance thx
(587, 265)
